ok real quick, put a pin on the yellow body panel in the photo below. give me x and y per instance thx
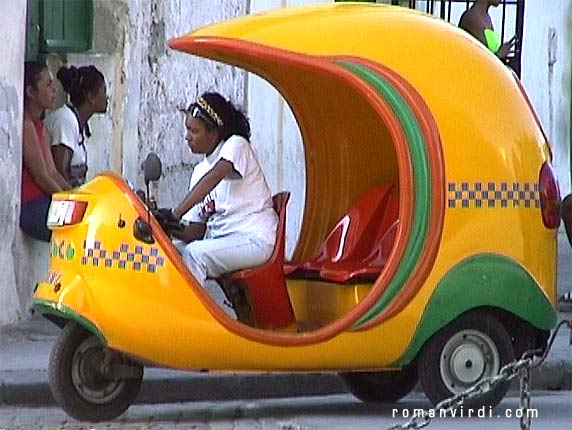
(317, 303)
(160, 317)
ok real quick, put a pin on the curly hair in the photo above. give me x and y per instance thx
(218, 109)
(79, 82)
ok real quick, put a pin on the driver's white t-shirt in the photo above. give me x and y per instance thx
(241, 203)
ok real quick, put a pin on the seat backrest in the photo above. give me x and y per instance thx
(385, 236)
(354, 235)
(265, 284)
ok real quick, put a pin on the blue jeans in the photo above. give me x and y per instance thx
(33, 216)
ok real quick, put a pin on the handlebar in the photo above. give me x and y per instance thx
(166, 220)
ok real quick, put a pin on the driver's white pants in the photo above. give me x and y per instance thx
(211, 258)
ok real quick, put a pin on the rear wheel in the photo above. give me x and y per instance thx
(84, 377)
(471, 348)
(381, 387)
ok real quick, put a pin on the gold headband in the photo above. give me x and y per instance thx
(210, 111)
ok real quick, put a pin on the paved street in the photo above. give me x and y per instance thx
(339, 412)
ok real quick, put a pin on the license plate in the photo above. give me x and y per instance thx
(57, 212)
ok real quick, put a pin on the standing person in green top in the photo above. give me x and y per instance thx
(477, 21)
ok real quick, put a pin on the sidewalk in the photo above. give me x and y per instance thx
(25, 352)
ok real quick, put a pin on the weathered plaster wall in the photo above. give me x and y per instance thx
(12, 27)
(148, 83)
(170, 80)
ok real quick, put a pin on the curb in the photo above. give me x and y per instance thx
(23, 388)
(31, 391)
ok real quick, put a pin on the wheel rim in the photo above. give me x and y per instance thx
(86, 375)
(468, 357)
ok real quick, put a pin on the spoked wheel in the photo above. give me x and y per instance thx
(88, 380)
(381, 387)
(468, 350)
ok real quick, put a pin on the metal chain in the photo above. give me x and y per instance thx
(518, 368)
(525, 418)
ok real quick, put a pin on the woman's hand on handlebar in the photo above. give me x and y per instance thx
(167, 221)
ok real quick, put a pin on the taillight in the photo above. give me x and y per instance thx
(65, 212)
(549, 196)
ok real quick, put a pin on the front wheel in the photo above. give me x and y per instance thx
(471, 348)
(85, 376)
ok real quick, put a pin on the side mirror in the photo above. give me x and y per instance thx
(152, 168)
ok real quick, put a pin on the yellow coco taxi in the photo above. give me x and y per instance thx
(427, 248)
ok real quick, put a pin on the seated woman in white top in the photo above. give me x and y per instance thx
(68, 127)
(228, 196)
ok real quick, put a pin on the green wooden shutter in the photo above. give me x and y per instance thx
(33, 30)
(66, 25)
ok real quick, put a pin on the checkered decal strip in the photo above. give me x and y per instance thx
(482, 195)
(138, 258)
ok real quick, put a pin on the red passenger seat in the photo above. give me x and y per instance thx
(358, 246)
(368, 268)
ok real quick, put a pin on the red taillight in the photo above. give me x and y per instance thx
(65, 212)
(549, 196)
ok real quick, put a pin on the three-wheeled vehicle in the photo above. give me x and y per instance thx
(427, 249)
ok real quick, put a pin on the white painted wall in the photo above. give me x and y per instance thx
(546, 75)
(276, 136)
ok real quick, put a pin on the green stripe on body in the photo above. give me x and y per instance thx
(421, 183)
(481, 281)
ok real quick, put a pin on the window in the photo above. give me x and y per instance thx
(58, 26)
(508, 18)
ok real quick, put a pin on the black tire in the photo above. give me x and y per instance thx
(381, 387)
(469, 349)
(77, 384)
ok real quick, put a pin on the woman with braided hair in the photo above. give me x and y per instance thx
(68, 126)
(228, 196)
